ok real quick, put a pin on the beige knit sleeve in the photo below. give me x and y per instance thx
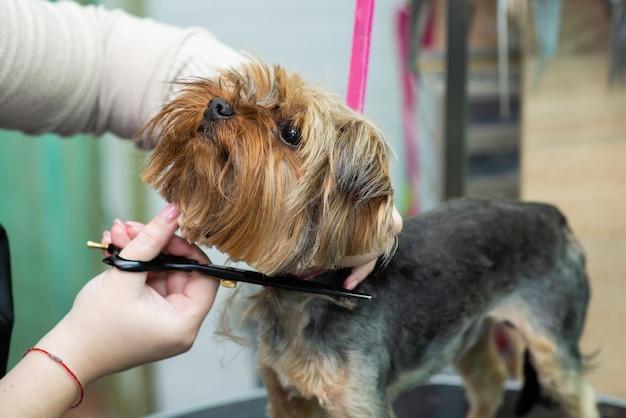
(67, 68)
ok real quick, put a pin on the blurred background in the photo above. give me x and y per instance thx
(535, 109)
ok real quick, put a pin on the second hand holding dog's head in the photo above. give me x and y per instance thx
(272, 171)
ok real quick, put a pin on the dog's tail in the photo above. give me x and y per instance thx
(530, 395)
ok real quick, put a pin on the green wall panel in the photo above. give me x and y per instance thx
(49, 205)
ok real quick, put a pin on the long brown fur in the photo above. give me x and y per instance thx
(241, 189)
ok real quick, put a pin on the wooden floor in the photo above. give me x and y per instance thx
(573, 154)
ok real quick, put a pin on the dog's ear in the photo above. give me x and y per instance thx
(357, 199)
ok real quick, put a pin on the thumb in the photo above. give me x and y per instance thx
(154, 236)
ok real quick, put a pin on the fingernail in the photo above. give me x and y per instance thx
(106, 237)
(350, 284)
(170, 213)
(118, 223)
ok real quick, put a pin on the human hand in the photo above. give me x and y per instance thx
(362, 265)
(120, 320)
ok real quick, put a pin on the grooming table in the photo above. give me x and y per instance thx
(442, 398)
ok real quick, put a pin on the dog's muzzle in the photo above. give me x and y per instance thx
(218, 109)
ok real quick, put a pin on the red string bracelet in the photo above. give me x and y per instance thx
(67, 369)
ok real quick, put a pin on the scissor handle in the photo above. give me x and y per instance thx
(162, 263)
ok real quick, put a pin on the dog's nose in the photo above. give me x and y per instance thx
(218, 109)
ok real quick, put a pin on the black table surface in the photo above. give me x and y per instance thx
(428, 401)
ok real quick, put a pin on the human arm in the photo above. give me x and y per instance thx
(68, 68)
(119, 320)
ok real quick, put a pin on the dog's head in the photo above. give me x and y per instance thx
(273, 171)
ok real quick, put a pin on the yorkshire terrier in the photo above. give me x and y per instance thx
(285, 177)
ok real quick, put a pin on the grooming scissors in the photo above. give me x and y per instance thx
(166, 262)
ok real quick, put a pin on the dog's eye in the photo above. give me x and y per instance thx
(289, 134)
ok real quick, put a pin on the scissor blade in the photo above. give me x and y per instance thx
(231, 273)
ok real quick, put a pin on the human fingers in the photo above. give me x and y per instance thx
(177, 245)
(170, 283)
(397, 220)
(167, 283)
(106, 240)
(134, 228)
(358, 274)
(362, 265)
(119, 234)
(194, 295)
(155, 236)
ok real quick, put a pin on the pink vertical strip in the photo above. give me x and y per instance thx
(409, 124)
(359, 58)
(409, 100)
(428, 41)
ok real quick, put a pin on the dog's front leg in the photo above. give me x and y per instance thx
(283, 403)
(362, 394)
(343, 401)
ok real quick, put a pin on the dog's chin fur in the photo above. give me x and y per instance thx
(278, 207)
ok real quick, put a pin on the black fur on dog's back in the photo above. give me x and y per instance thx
(452, 267)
